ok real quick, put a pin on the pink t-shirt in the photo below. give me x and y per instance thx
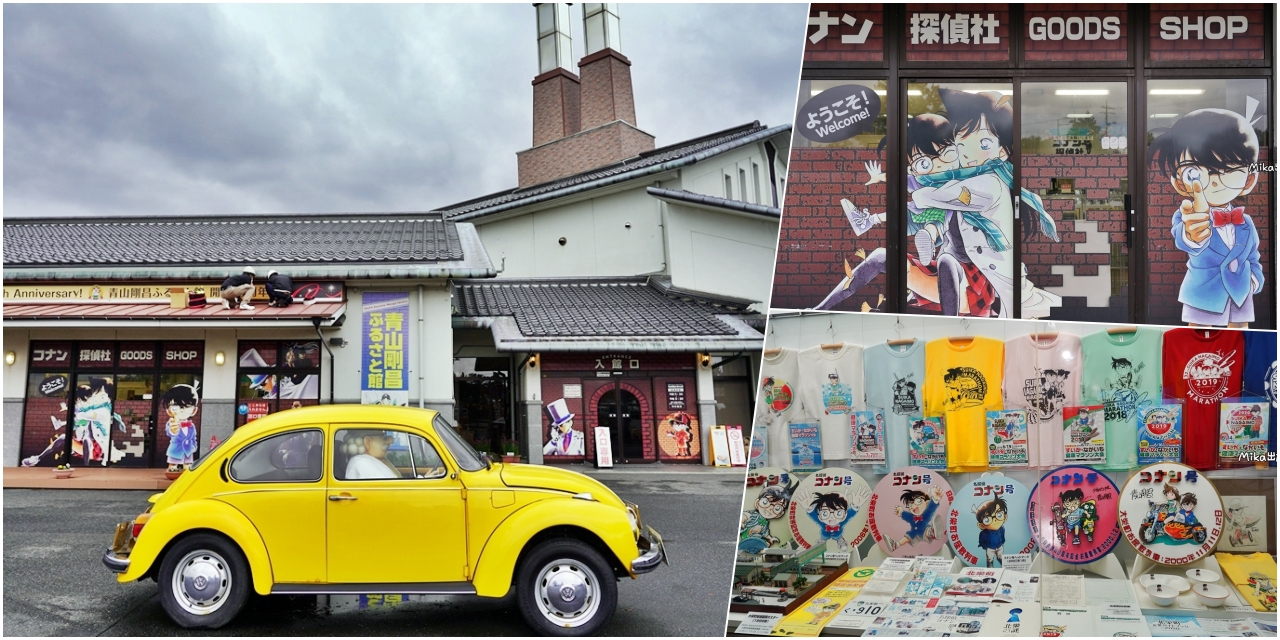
(1043, 376)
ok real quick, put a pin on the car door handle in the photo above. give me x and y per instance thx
(345, 496)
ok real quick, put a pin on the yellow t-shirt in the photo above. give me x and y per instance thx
(962, 382)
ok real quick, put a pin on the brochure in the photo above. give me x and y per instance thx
(928, 443)
(1231, 628)
(1007, 437)
(1016, 586)
(806, 447)
(1066, 623)
(1242, 430)
(858, 614)
(1083, 436)
(1174, 626)
(1122, 621)
(867, 436)
(1160, 432)
(976, 583)
(1012, 619)
(809, 620)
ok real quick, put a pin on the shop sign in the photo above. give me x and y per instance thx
(1074, 28)
(604, 448)
(50, 355)
(824, 23)
(675, 395)
(53, 386)
(573, 391)
(182, 355)
(384, 379)
(255, 409)
(839, 113)
(948, 29)
(137, 355)
(616, 363)
(155, 291)
(96, 354)
(1214, 27)
(1171, 514)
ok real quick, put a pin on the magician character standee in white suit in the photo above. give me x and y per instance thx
(564, 440)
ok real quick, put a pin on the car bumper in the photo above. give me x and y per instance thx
(114, 562)
(653, 552)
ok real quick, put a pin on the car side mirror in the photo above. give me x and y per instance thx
(488, 461)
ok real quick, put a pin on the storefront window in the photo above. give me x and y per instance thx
(834, 222)
(1208, 231)
(276, 376)
(960, 199)
(1075, 146)
(482, 389)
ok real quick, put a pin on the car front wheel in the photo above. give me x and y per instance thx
(566, 588)
(204, 582)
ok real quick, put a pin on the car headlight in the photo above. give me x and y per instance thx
(633, 515)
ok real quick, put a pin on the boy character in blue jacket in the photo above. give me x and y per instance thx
(1207, 155)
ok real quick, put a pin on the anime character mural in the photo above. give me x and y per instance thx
(1073, 515)
(180, 403)
(959, 214)
(832, 511)
(563, 439)
(1210, 158)
(991, 516)
(93, 419)
(680, 430)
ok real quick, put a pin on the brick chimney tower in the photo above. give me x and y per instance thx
(580, 124)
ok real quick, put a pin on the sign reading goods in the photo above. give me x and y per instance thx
(1074, 28)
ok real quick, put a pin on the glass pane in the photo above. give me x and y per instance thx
(1209, 239)
(257, 354)
(44, 423)
(134, 403)
(1075, 145)
(426, 462)
(286, 457)
(178, 438)
(960, 205)
(372, 454)
(93, 419)
(832, 223)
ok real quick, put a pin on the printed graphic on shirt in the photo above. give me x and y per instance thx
(966, 387)
(905, 401)
(1270, 381)
(1206, 376)
(777, 394)
(1120, 393)
(836, 396)
(1044, 394)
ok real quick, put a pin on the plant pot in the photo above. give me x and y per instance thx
(172, 475)
(510, 458)
(63, 474)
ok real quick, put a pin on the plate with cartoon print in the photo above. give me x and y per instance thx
(765, 504)
(830, 507)
(986, 521)
(909, 508)
(1073, 514)
(1167, 512)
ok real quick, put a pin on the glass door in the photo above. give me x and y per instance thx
(1075, 231)
(960, 199)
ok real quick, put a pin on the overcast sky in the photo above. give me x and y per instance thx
(113, 110)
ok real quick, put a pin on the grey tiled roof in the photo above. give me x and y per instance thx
(647, 159)
(590, 307)
(355, 238)
(681, 195)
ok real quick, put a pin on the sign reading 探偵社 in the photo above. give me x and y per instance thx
(384, 375)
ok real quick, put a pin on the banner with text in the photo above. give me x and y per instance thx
(384, 376)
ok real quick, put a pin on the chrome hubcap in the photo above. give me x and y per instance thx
(568, 593)
(201, 582)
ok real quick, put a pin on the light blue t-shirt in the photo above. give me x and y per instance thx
(894, 384)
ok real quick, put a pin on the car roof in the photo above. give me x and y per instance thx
(331, 413)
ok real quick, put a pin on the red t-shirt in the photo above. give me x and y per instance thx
(1202, 371)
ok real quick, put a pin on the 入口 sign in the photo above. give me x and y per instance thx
(1205, 27)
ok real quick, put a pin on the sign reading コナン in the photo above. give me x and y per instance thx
(839, 113)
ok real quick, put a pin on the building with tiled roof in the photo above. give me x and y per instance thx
(618, 280)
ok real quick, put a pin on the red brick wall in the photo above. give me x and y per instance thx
(1095, 176)
(816, 238)
(998, 52)
(1246, 46)
(1065, 50)
(831, 49)
(667, 448)
(1168, 264)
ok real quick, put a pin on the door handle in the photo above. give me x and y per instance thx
(345, 496)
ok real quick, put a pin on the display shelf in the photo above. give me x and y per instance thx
(1245, 473)
(1187, 604)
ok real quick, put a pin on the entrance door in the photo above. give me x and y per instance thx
(619, 409)
(1017, 199)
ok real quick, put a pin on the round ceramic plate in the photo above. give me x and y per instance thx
(1167, 513)
(765, 503)
(909, 510)
(1073, 514)
(830, 506)
(986, 521)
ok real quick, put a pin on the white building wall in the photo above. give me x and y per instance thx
(721, 253)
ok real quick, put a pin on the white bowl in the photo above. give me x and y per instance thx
(1196, 576)
(1162, 594)
(1178, 582)
(1148, 579)
(1211, 595)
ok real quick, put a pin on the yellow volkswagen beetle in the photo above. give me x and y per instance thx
(308, 501)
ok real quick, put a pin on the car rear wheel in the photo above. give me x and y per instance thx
(204, 582)
(566, 588)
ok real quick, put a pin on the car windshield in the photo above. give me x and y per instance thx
(466, 456)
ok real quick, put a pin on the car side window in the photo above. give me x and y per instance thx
(384, 454)
(293, 456)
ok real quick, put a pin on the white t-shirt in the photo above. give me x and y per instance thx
(1043, 376)
(831, 390)
(778, 402)
(367, 467)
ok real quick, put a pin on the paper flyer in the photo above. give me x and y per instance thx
(1126, 624)
(759, 447)
(806, 447)
(1010, 620)
(975, 582)
(809, 620)
(1062, 591)
(867, 436)
(1066, 623)
(1007, 437)
(1174, 626)
(1083, 436)
(898, 564)
(1016, 586)
(758, 624)
(1230, 628)
(859, 613)
(1159, 433)
(928, 443)
(1242, 430)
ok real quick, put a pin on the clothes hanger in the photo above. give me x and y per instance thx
(965, 338)
(897, 326)
(1046, 335)
(833, 345)
(1125, 329)
(772, 352)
